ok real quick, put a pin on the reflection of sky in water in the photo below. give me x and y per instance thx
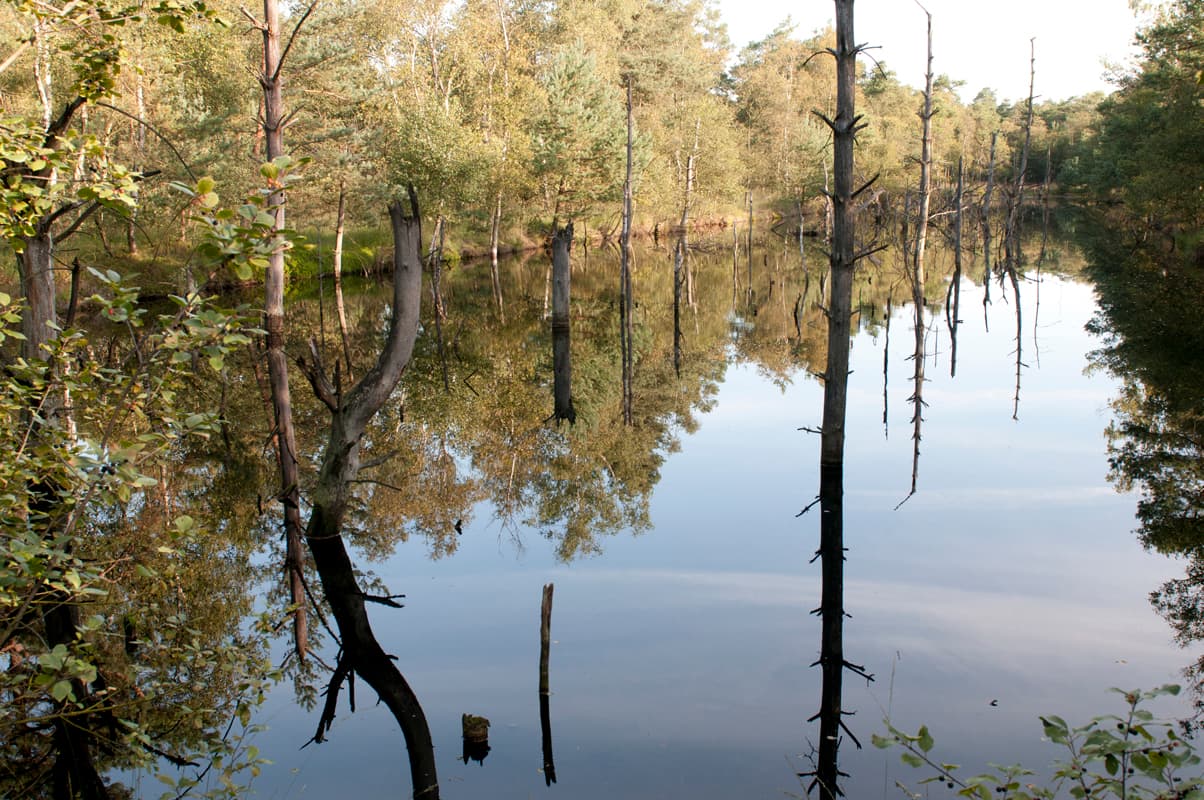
(679, 667)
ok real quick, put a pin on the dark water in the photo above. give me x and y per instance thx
(1011, 585)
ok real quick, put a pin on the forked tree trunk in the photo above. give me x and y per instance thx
(350, 414)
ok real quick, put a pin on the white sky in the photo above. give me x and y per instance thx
(983, 44)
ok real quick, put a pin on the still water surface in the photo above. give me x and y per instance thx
(1009, 586)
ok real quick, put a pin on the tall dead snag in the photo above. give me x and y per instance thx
(836, 381)
(360, 652)
(282, 409)
(545, 711)
(1012, 234)
(917, 265)
(562, 363)
(625, 304)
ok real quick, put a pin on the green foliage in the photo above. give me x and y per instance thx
(1134, 755)
(86, 442)
(244, 237)
(1146, 154)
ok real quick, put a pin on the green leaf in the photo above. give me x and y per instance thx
(61, 691)
(911, 759)
(1111, 764)
(924, 740)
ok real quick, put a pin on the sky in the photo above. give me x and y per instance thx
(984, 44)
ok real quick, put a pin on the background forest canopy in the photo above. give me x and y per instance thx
(510, 114)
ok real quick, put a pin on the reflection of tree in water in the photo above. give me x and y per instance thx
(1152, 324)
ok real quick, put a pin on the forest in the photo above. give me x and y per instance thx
(175, 174)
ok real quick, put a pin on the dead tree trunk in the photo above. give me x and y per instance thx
(360, 652)
(562, 363)
(917, 266)
(844, 257)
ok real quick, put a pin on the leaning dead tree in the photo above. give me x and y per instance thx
(844, 257)
(350, 413)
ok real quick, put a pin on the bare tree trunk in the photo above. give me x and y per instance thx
(562, 363)
(350, 414)
(274, 280)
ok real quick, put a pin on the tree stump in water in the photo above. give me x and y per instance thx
(476, 738)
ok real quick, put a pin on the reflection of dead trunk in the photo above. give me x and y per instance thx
(562, 363)
(625, 305)
(886, 369)
(955, 285)
(494, 231)
(360, 652)
(435, 261)
(339, 228)
(545, 711)
(1044, 244)
(986, 232)
(679, 254)
(1016, 295)
(836, 379)
(749, 249)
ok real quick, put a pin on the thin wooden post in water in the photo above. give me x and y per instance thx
(545, 713)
